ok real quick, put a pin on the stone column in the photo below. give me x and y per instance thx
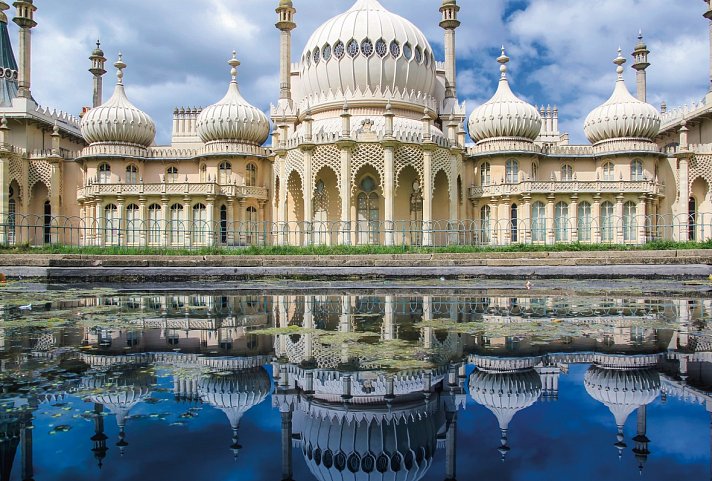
(230, 234)
(308, 189)
(388, 187)
(428, 194)
(345, 192)
(261, 218)
(25, 20)
(282, 236)
(451, 446)
(121, 211)
(241, 221)
(389, 324)
(506, 221)
(143, 221)
(454, 201)
(640, 214)
(596, 217)
(210, 207)
(187, 222)
(165, 218)
(619, 220)
(527, 215)
(573, 218)
(494, 221)
(286, 444)
(550, 235)
(683, 162)
(100, 222)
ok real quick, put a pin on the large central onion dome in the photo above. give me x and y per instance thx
(505, 116)
(118, 121)
(367, 49)
(622, 115)
(233, 119)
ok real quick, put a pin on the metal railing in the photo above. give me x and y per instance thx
(76, 232)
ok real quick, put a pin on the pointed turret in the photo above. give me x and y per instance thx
(8, 63)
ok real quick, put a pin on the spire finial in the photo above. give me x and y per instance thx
(234, 63)
(503, 60)
(620, 60)
(120, 66)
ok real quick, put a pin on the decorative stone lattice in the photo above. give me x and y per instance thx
(408, 155)
(701, 168)
(295, 163)
(327, 156)
(40, 171)
(441, 161)
(15, 171)
(367, 154)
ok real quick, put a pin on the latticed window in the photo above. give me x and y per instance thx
(154, 224)
(352, 48)
(381, 48)
(584, 222)
(111, 224)
(538, 222)
(636, 170)
(607, 222)
(485, 177)
(203, 173)
(251, 175)
(104, 173)
(367, 48)
(200, 226)
(316, 54)
(177, 227)
(609, 172)
(225, 172)
(131, 174)
(252, 225)
(368, 212)
(418, 54)
(485, 224)
(395, 49)
(326, 52)
(567, 173)
(561, 222)
(172, 175)
(339, 50)
(407, 51)
(512, 171)
(535, 170)
(629, 222)
(133, 224)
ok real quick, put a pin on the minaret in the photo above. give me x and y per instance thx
(640, 64)
(97, 70)
(641, 440)
(99, 438)
(708, 16)
(26, 450)
(25, 20)
(285, 24)
(449, 23)
(286, 444)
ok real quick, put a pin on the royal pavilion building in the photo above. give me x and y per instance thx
(367, 143)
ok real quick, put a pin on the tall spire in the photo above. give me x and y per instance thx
(26, 21)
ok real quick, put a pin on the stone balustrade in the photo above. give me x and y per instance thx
(567, 187)
(172, 189)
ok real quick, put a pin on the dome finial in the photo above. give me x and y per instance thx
(120, 66)
(234, 63)
(620, 60)
(503, 60)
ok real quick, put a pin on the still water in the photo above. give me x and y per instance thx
(480, 384)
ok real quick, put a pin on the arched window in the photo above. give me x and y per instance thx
(606, 222)
(225, 172)
(154, 224)
(561, 222)
(567, 173)
(111, 224)
(535, 170)
(416, 214)
(485, 176)
(584, 222)
(203, 171)
(177, 224)
(131, 174)
(485, 224)
(514, 219)
(636, 170)
(692, 222)
(609, 172)
(629, 222)
(104, 173)
(320, 211)
(252, 225)
(172, 175)
(512, 171)
(251, 175)
(368, 213)
(200, 226)
(538, 222)
(133, 224)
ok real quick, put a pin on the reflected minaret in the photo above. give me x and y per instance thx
(26, 440)
(641, 440)
(99, 438)
(286, 444)
(451, 446)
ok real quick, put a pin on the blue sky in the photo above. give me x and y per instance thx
(561, 50)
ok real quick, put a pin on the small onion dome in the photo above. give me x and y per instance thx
(622, 116)
(118, 121)
(97, 52)
(505, 115)
(233, 119)
(505, 393)
(622, 391)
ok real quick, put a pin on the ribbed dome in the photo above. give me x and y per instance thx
(372, 449)
(505, 393)
(622, 116)
(235, 393)
(367, 48)
(118, 121)
(504, 115)
(623, 391)
(233, 119)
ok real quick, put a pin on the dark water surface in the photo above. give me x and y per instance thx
(476, 384)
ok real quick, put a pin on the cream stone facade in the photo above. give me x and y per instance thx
(368, 146)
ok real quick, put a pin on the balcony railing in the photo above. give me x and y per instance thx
(113, 190)
(568, 187)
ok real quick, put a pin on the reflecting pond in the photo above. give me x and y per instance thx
(493, 383)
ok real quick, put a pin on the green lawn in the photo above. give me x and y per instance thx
(348, 250)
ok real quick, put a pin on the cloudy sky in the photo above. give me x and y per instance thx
(561, 50)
